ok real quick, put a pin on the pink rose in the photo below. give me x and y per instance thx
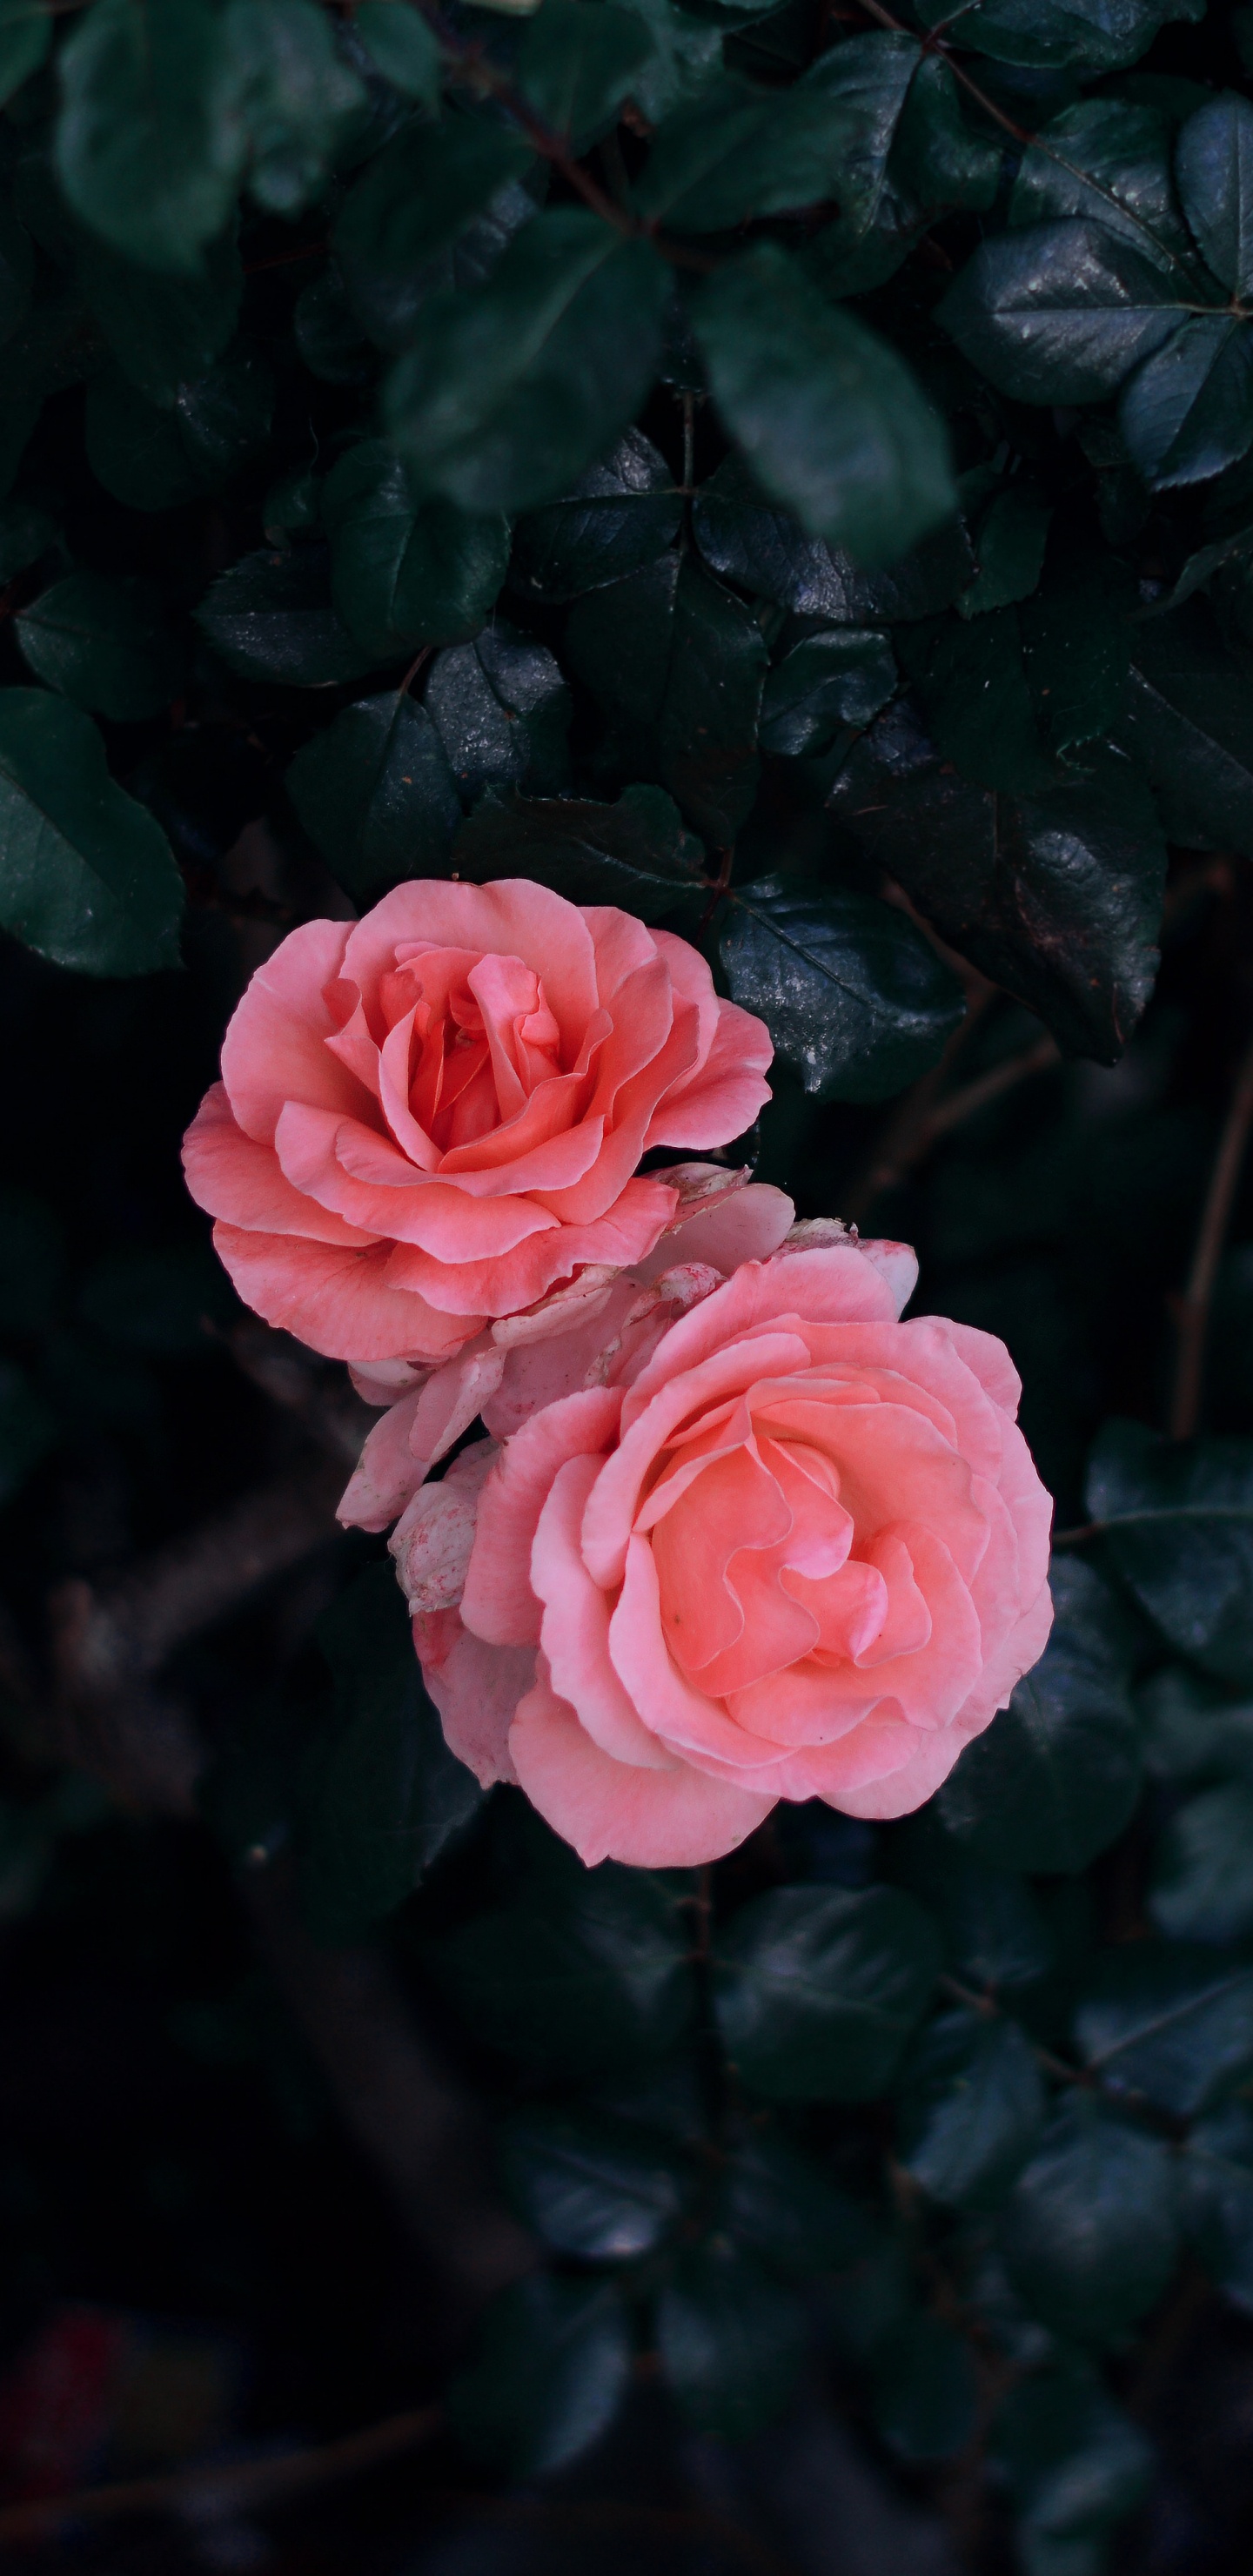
(428, 1117)
(791, 1547)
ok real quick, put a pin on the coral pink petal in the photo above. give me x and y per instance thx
(511, 918)
(515, 1280)
(648, 1425)
(722, 1096)
(747, 1225)
(499, 1601)
(233, 1177)
(387, 1475)
(339, 1302)
(275, 1049)
(685, 1719)
(476, 1689)
(609, 1810)
(575, 1631)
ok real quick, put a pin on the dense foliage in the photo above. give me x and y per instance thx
(786, 471)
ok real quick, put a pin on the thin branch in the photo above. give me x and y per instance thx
(924, 1118)
(1194, 1310)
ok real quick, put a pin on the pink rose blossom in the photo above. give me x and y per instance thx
(428, 1117)
(783, 1546)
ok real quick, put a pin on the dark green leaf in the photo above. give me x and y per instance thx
(973, 2106)
(866, 80)
(1092, 35)
(1056, 895)
(1076, 643)
(135, 450)
(86, 876)
(289, 94)
(407, 208)
(271, 618)
(1214, 163)
(590, 2186)
(1179, 1524)
(163, 331)
(817, 1990)
(1056, 1775)
(1192, 1731)
(501, 709)
(552, 2370)
(224, 417)
(731, 2340)
(738, 152)
(105, 642)
(161, 1302)
(620, 516)
(1174, 2025)
(576, 65)
(1009, 550)
(376, 794)
(401, 46)
(855, 999)
(979, 710)
(27, 532)
(1187, 721)
(25, 40)
(781, 2203)
(591, 1975)
(1091, 2231)
(925, 2392)
(676, 653)
(146, 149)
(1061, 313)
(28, 1430)
(1188, 411)
(829, 417)
(827, 681)
(404, 571)
(1216, 2175)
(1108, 161)
(1074, 2463)
(326, 330)
(938, 155)
(763, 548)
(635, 854)
(32, 1263)
(995, 1933)
(507, 392)
(16, 279)
(1201, 1887)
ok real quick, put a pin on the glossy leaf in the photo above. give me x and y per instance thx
(731, 2340)
(105, 642)
(620, 516)
(1090, 35)
(86, 876)
(1201, 1888)
(1188, 411)
(1091, 2231)
(551, 2371)
(817, 1990)
(591, 2187)
(1172, 2024)
(1214, 164)
(145, 152)
(677, 654)
(402, 571)
(826, 413)
(634, 854)
(867, 80)
(376, 794)
(501, 709)
(827, 681)
(1009, 550)
(507, 392)
(1107, 160)
(1179, 1524)
(784, 2206)
(855, 999)
(1061, 312)
(271, 617)
(973, 2106)
(591, 1975)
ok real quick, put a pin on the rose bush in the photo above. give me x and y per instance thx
(784, 1546)
(427, 1117)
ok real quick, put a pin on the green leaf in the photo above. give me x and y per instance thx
(855, 999)
(163, 331)
(144, 150)
(938, 156)
(17, 270)
(1091, 35)
(1216, 2176)
(1074, 2463)
(601, 2189)
(924, 2390)
(1054, 1779)
(1179, 1525)
(1009, 550)
(782, 2204)
(978, 707)
(1108, 161)
(677, 654)
(590, 1974)
(1192, 1731)
(731, 2340)
(995, 1934)
(1188, 411)
(1214, 165)
(501, 709)
(405, 571)
(401, 46)
(1056, 895)
(576, 64)
(224, 417)
(271, 618)
(25, 42)
(28, 1430)
(634, 854)
(376, 794)
(326, 330)
(32, 1263)
(1201, 1888)
(1076, 644)
(134, 450)
(552, 2369)
(827, 681)
(381, 1796)
(28, 532)
(866, 79)
(87, 877)
(506, 392)
(829, 417)
(409, 206)
(973, 2106)
(737, 152)
(288, 94)
(817, 1990)
(1061, 313)
(104, 640)
(1174, 2025)
(1091, 2232)
(621, 515)
(1187, 723)
(686, 58)
(763, 548)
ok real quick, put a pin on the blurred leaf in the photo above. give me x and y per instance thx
(376, 794)
(635, 854)
(839, 678)
(28, 1430)
(1192, 1731)
(153, 458)
(829, 417)
(1009, 549)
(674, 652)
(382, 1796)
(145, 153)
(163, 331)
(925, 2393)
(1074, 2462)
(783, 2205)
(972, 2108)
(620, 516)
(588, 1975)
(731, 2340)
(25, 40)
(866, 80)
(756, 542)
(157, 1301)
(401, 46)
(410, 204)
(1091, 2231)
(1187, 722)
(403, 571)
(104, 640)
(576, 65)
(501, 709)
(506, 392)
(817, 1990)
(32, 1262)
(552, 2370)
(87, 877)
(589, 2186)
(995, 1932)
(1054, 1779)
(271, 618)
(855, 999)
(1173, 2024)
(1216, 2177)
(1201, 1888)
(739, 151)
(289, 94)
(1179, 1524)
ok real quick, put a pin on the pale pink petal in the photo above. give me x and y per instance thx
(747, 1224)
(476, 1689)
(386, 1475)
(575, 1630)
(609, 1810)
(450, 1401)
(432, 1540)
